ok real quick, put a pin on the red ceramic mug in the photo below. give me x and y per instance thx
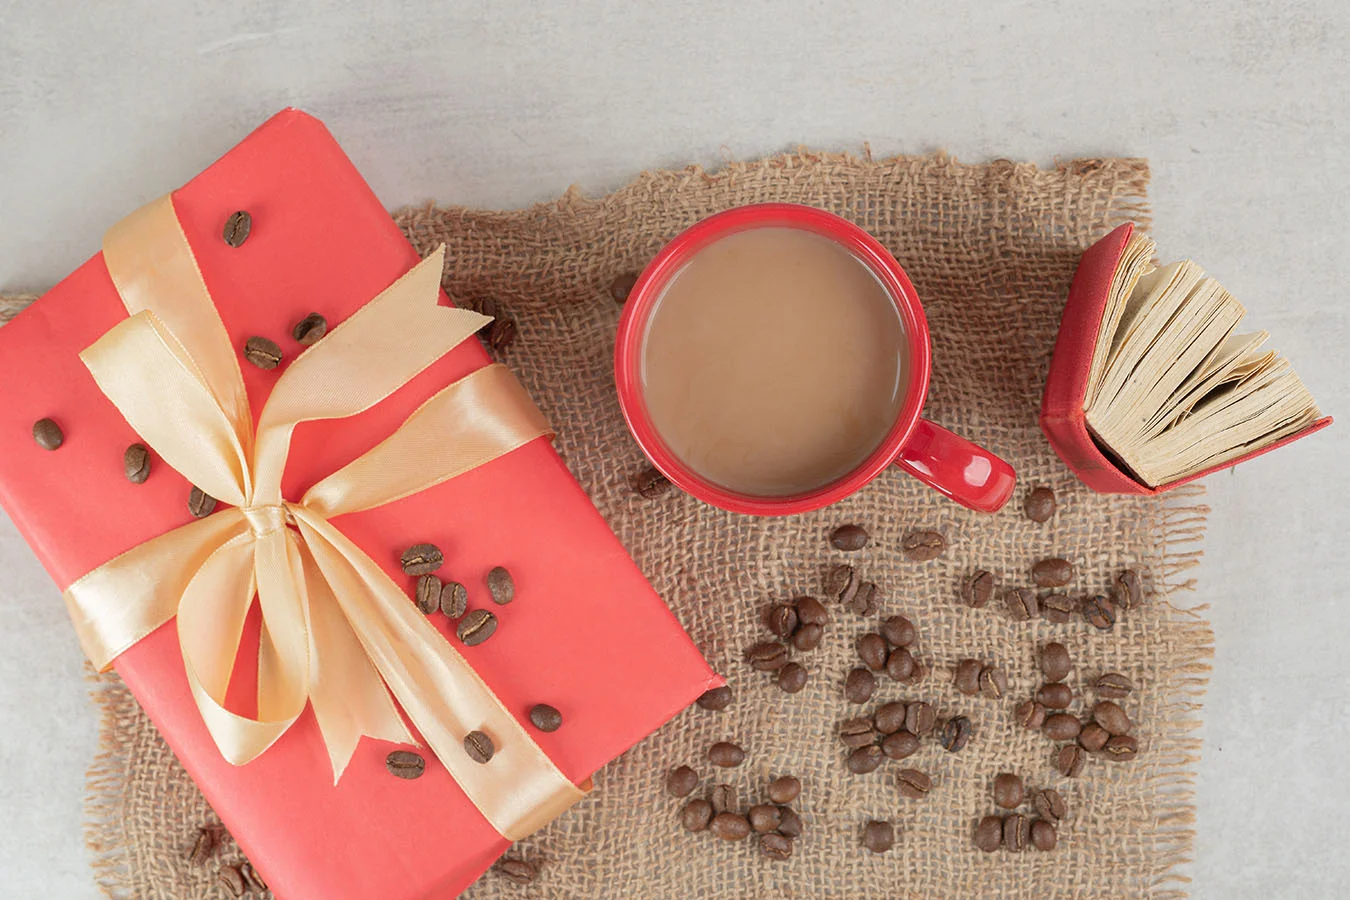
(965, 472)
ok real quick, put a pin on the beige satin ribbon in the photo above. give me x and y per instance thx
(337, 632)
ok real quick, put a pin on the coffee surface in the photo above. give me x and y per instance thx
(774, 362)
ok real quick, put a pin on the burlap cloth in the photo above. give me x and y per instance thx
(991, 250)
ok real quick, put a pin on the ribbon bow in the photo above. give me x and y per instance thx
(337, 633)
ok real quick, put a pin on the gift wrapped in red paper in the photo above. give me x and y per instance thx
(585, 632)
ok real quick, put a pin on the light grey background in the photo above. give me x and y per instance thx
(1241, 109)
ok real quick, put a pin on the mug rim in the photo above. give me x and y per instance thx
(658, 274)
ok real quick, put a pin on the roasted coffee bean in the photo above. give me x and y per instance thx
(768, 656)
(811, 611)
(1111, 717)
(781, 619)
(790, 825)
(681, 781)
(696, 815)
(764, 817)
(1016, 832)
(454, 599)
(48, 434)
(1100, 612)
(233, 880)
(517, 871)
(864, 760)
(501, 334)
(1070, 760)
(849, 537)
(729, 826)
(899, 631)
(1056, 695)
(1039, 504)
(918, 674)
(488, 307)
(477, 626)
(1043, 835)
(622, 285)
(913, 784)
(1113, 686)
(263, 352)
(921, 546)
(920, 717)
(807, 637)
(479, 746)
(724, 798)
(1062, 727)
(859, 685)
(993, 683)
(1120, 747)
(546, 718)
(1093, 737)
(784, 789)
(1022, 604)
(200, 503)
(900, 745)
(405, 764)
(889, 717)
(237, 227)
(792, 678)
(955, 734)
(878, 836)
(310, 329)
(899, 664)
(726, 754)
(872, 650)
(420, 559)
(1127, 590)
(1057, 609)
(1050, 805)
(428, 594)
(1008, 790)
(977, 588)
(501, 585)
(718, 698)
(966, 676)
(1055, 661)
(1053, 572)
(838, 579)
(136, 463)
(865, 600)
(650, 483)
(989, 834)
(775, 846)
(254, 881)
(858, 732)
(202, 848)
(1030, 714)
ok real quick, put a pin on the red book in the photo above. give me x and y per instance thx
(1063, 408)
(585, 634)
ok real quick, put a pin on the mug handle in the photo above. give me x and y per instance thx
(951, 465)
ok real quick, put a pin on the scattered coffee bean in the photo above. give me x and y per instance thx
(1050, 805)
(878, 836)
(1099, 611)
(899, 631)
(428, 594)
(696, 815)
(501, 586)
(764, 817)
(1056, 695)
(622, 285)
(838, 578)
(1055, 661)
(717, 699)
(864, 760)
(650, 483)
(889, 717)
(1070, 760)
(724, 798)
(792, 678)
(872, 650)
(768, 656)
(859, 685)
(1053, 572)
(775, 846)
(1030, 714)
(1128, 590)
(546, 718)
(1039, 504)
(913, 784)
(202, 848)
(420, 559)
(807, 637)
(1093, 737)
(865, 600)
(920, 717)
(900, 745)
(237, 227)
(405, 764)
(858, 732)
(784, 789)
(476, 626)
(1016, 832)
(1008, 790)
(919, 674)
(1113, 686)
(1057, 609)
(263, 352)
(479, 746)
(454, 599)
(900, 664)
(136, 463)
(200, 503)
(791, 824)
(811, 611)
(48, 434)
(1120, 747)
(1022, 604)
(781, 619)
(517, 871)
(681, 781)
(993, 683)
(849, 537)
(254, 881)
(989, 834)
(955, 734)
(501, 334)
(921, 546)
(977, 589)
(726, 754)
(730, 826)
(1111, 717)
(233, 880)
(966, 676)
(1043, 835)
(310, 329)
(1062, 727)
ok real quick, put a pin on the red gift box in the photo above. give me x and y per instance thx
(322, 242)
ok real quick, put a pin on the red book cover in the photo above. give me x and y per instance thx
(1062, 415)
(321, 241)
